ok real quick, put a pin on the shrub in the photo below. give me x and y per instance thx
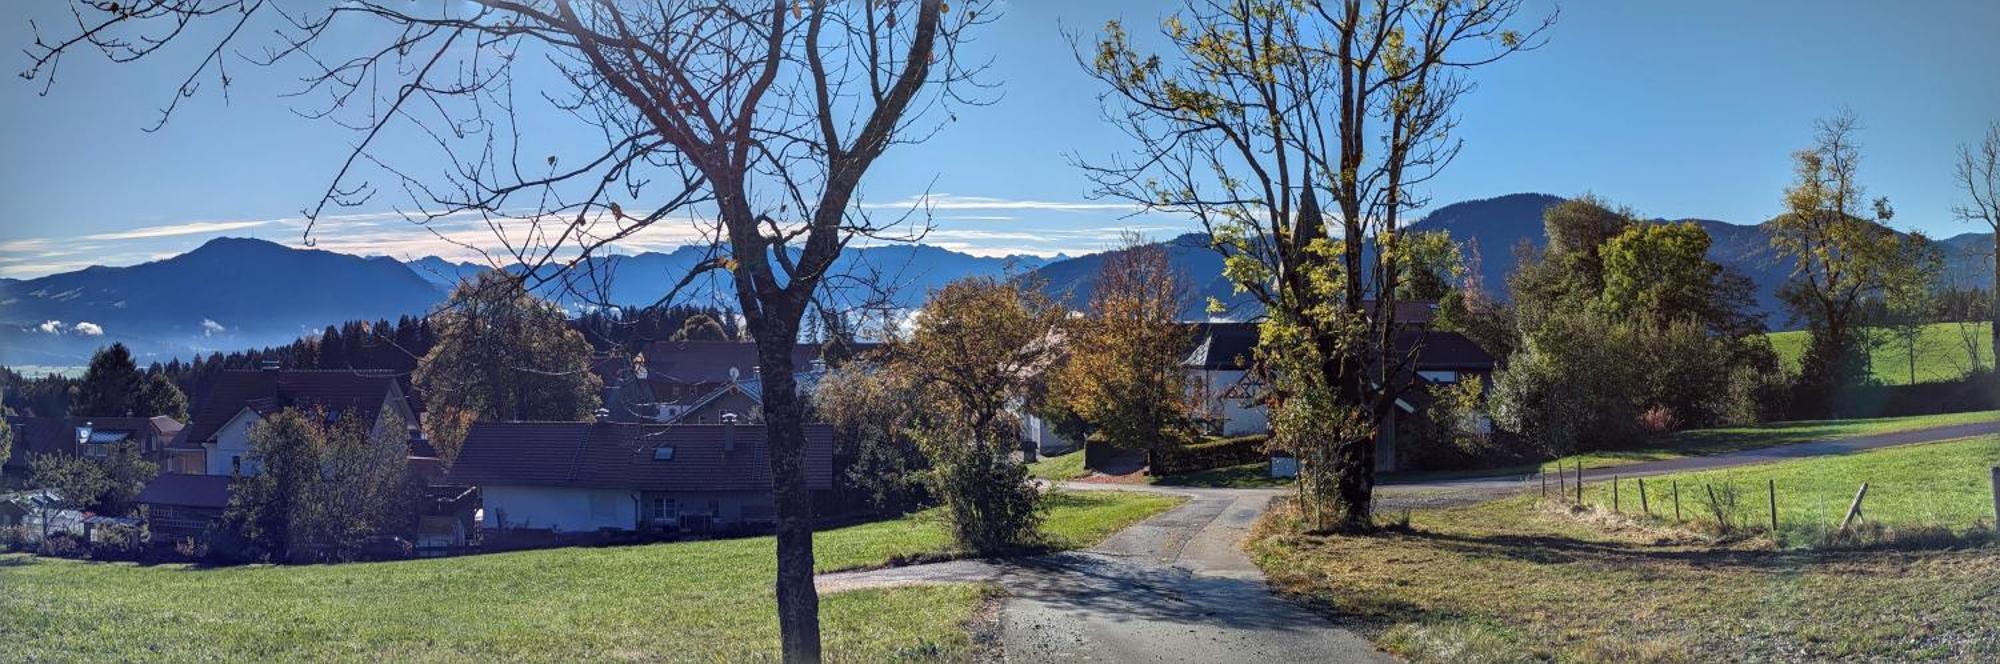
(1659, 419)
(1214, 453)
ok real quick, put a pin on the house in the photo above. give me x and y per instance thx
(203, 458)
(1221, 373)
(88, 436)
(582, 477)
(217, 442)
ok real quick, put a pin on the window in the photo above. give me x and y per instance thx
(662, 509)
(1439, 376)
(236, 465)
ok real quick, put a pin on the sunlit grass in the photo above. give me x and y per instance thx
(690, 601)
(1942, 353)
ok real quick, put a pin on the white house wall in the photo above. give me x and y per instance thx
(1240, 417)
(563, 509)
(233, 440)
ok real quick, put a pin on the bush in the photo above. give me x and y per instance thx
(993, 507)
(1214, 453)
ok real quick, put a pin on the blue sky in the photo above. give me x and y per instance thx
(1677, 109)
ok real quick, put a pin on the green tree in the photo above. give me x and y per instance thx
(126, 473)
(1431, 265)
(978, 346)
(1909, 295)
(1259, 110)
(110, 385)
(158, 395)
(501, 354)
(6, 433)
(871, 411)
(1123, 375)
(77, 483)
(1842, 255)
(320, 489)
(1572, 386)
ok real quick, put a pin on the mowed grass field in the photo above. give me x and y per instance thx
(1945, 485)
(1942, 352)
(1514, 580)
(691, 601)
(1704, 442)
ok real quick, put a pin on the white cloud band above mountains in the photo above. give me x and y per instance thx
(979, 225)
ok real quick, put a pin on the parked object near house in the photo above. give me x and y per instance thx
(583, 477)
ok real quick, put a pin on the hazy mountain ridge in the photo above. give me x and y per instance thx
(233, 293)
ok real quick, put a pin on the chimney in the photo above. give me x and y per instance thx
(728, 433)
(268, 365)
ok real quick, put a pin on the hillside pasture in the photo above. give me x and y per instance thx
(1943, 352)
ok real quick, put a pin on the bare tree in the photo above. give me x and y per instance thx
(1297, 132)
(751, 122)
(1979, 174)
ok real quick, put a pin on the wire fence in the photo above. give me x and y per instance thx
(1800, 506)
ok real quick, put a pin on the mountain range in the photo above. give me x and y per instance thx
(234, 293)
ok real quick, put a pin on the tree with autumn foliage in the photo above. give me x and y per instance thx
(979, 346)
(502, 354)
(1123, 376)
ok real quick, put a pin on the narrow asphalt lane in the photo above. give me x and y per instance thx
(1179, 588)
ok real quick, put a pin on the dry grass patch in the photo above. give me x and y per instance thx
(1508, 581)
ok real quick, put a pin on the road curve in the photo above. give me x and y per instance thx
(1178, 587)
(1174, 588)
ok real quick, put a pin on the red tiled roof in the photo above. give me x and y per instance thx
(182, 490)
(622, 456)
(348, 392)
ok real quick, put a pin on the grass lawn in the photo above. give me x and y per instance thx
(692, 601)
(1705, 442)
(1935, 485)
(1942, 353)
(1507, 581)
(1059, 468)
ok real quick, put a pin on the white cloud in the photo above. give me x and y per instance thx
(171, 230)
(50, 327)
(211, 328)
(88, 329)
(956, 202)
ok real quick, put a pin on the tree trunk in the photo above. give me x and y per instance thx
(1354, 464)
(798, 600)
(1994, 312)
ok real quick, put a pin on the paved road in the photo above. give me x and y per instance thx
(1178, 587)
(1175, 588)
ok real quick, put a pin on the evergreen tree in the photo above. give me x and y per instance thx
(111, 384)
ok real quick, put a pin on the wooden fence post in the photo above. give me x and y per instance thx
(1614, 493)
(1644, 508)
(1854, 509)
(1774, 507)
(1545, 484)
(1716, 506)
(1996, 496)
(1579, 481)
(1677, 501)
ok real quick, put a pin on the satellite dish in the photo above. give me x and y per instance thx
(733, 373)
